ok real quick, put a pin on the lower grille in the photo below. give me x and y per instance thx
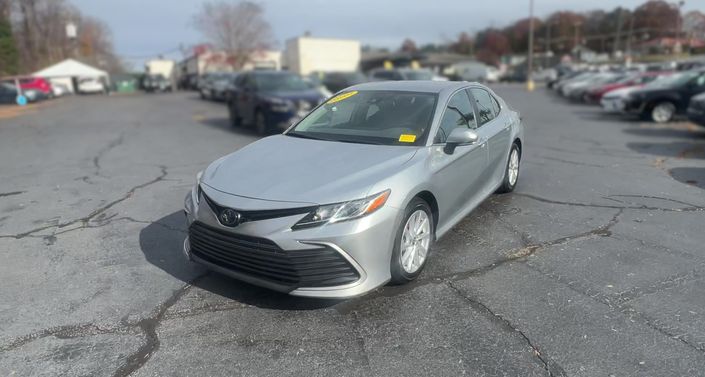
(263, 259)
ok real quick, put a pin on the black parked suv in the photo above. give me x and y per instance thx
(337, 81)
(271, 100)
(696, 109)
(664, 99)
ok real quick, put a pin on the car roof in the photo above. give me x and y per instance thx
(425, 86)
(270, 73)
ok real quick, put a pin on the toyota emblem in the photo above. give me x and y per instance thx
(229, 217)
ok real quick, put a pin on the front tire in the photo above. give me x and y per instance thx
(663, 112)
(413, 242)
(511, 172)
(232, 115)
(260, 123)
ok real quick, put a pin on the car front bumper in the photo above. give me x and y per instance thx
(365, 244)
(696, 116)
(282, 120)
(612, 105)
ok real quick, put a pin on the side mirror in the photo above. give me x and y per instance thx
(460, 136)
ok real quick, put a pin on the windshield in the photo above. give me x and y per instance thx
(672, 81)
(277, 82)
(371, 117)
(418, 75)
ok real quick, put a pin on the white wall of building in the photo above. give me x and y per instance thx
(162, 67)
(304, 55)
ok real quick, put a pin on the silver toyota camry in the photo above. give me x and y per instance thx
(354, 195)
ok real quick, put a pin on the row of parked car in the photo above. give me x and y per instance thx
(36, 89)
(659, 95)
(270, 101)
(215, 86)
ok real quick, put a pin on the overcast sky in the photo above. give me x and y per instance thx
(146, 28)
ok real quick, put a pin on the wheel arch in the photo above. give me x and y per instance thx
(655, 101)
(517, 141)
(429, 198)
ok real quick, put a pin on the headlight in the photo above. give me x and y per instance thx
(304, 105)
(197, 189)
(278, 104)
(333, 213)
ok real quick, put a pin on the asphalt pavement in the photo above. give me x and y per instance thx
(595, 266)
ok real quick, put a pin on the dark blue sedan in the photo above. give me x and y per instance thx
(271, 101)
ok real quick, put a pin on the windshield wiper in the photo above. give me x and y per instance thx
(302, 136)
(358, 142)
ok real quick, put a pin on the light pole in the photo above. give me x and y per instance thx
(530, 58)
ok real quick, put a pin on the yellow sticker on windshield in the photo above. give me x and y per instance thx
(404, 138)
(341, 97)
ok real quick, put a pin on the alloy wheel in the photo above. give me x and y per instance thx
(415, 241)
(513, 167)
(663, 112)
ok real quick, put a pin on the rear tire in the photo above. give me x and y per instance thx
(418, 245)
(663, 112)
(511, 171)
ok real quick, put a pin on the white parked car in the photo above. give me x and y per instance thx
(90, 85)
(492, 74)
(59, 89)
(613, 101)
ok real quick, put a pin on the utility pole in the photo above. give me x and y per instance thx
(530, 58)
(629, 36)
(617, 39)
(72, 35)
(576, 41)
(678, 48)
(548, 43)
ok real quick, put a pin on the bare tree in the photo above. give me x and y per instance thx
(237, 28)
(39, 27)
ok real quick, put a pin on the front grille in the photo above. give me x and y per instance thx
(263, 259)
(259, 214)
(698, 105)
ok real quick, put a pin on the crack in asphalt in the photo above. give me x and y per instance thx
(4, 194)
(84, 221)
(113, 144)
(553, 368)
(109, 220)
(63, 332)
(627, 205)
(569, 162)
(360, 340)
(619, 306)
(520, 254)
(148, 326)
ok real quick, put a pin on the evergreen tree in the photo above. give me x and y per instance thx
(8, 50)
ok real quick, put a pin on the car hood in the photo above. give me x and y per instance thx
(621, 92)
(653, 91)
(290, 169)
(312, 95)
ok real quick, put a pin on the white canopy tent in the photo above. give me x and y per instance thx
(69, 71)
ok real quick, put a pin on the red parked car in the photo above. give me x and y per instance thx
(38, 84)
(595, 94)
